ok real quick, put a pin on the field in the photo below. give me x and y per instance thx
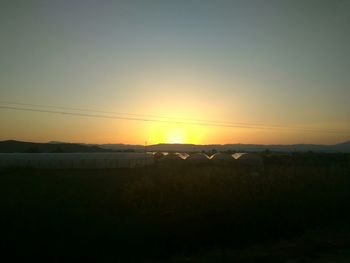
(296, 209)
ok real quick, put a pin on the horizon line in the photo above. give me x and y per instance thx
(163, 143)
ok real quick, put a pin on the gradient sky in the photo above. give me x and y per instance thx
(272, 63)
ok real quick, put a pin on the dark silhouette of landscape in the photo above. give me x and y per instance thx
(19, 146)
(295, 209)
(290, 206)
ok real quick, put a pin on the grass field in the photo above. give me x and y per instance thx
(178, 213)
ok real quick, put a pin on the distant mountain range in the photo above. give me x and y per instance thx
(18, 146)
(342, 147)
(33, 147)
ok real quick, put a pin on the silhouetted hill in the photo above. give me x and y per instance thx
(122, 147)
(12, 146)
(18, 146)
(341, 148)
(344, 145)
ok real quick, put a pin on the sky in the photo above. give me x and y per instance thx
(184, 71)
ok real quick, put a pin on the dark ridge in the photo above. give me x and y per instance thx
(18, 146)
(12, 146)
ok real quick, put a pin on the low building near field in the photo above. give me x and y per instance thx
(197, 158)
(222, 158)
(251, 161)
(76, 160)
(159, 155)
(183, 155)
(171, 157)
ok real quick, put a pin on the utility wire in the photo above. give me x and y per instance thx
(165, 119)
(139, 115)
(162, 121)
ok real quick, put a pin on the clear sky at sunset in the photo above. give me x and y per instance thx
(217, 71)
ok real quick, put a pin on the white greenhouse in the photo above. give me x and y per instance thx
(171, 157)
(250, 159)
(183, 155)
(197, 158)
(222, 157)
(76, 160)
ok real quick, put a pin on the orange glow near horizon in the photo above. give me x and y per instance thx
(90, 130)
(172, 133)
(44, 127)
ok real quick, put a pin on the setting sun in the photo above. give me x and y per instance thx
(180, 133)
(175, 136)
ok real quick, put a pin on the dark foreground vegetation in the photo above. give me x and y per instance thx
(297, 207)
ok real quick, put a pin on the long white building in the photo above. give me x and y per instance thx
(117, 160)
(76, 160)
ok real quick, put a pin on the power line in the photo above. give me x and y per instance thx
(139, 115)
(164, 121)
